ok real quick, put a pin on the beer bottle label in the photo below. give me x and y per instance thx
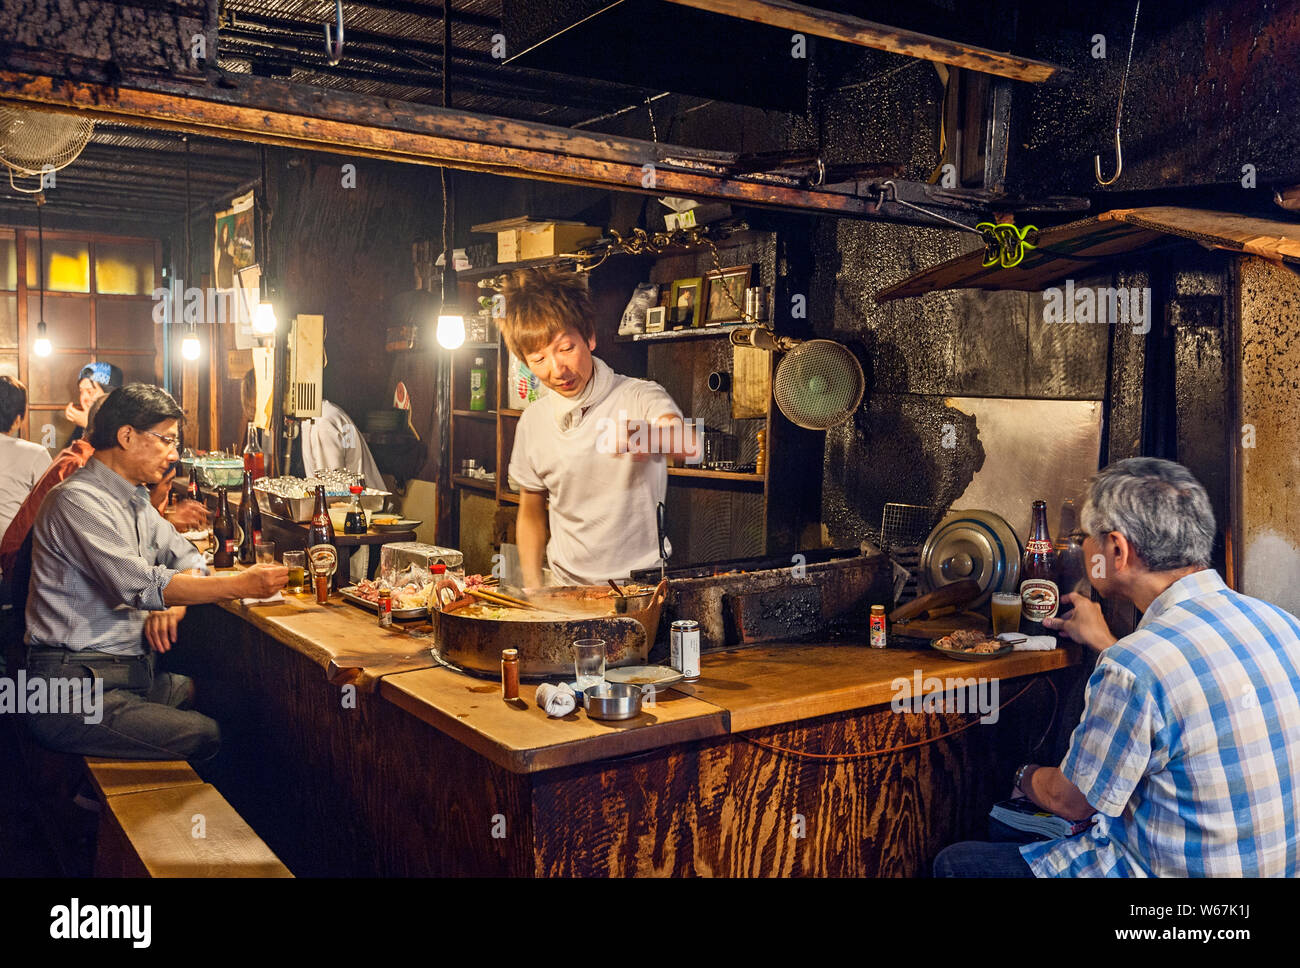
(1037, 546)
(1039, 599)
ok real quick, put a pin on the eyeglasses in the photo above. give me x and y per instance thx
(171, 440)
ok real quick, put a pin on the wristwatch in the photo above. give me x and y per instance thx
(1020, 776)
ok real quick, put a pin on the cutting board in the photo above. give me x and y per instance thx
(933, 628)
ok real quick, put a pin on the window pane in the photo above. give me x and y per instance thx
(135, 369)
(124, 268)
(124, 324)
(8, 263)
(53, 379)
(9, 322)
(67, 321)
(9, 365)
(67, 264)
(50, 428)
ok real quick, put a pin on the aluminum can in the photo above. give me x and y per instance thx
(684, 647)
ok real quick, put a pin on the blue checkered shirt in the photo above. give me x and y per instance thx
(1189, 744)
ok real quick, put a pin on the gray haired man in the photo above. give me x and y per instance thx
(1187, 754)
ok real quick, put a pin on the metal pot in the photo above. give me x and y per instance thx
(472, 639)
(613, 700)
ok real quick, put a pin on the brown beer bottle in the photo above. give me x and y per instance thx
(1069, 552)
(250, 520)
(1039, 595)
(321, 530)
(223, 532)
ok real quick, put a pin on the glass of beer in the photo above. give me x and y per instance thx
(1006, 613)
(296, 562)
(265, 552)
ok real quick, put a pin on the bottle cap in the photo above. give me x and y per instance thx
(356, 489)
(438, 568)
(510, 654)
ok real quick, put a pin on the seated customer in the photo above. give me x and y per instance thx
(1188, 750)
(21, 462)
(110, 582)
(95, 381)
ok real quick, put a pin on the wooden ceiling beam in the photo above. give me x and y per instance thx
(268, 111)
(799, 18)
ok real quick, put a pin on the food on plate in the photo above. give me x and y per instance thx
(969, 640)
(411, 594)
(384, 519)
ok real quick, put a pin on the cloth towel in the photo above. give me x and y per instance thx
(1034, 643)
(567, 411)
(557, 700)
(277, 597)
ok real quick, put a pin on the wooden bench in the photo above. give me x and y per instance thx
(159, 819)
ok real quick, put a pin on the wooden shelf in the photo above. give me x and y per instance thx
(509, 412)
(474, 483)
(715, 475)
(476, 414)
(692, 332)
(478, 346)
(510, 497)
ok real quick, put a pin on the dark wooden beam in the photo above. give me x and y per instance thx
(267, 111)
(843, 27)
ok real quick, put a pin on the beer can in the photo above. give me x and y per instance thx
(878, 639)
(684, 647)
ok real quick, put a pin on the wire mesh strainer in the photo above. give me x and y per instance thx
(35, 142)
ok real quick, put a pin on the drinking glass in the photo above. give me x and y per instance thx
(265, 552)
(589, 662)
(296, 562)
(1006, 613)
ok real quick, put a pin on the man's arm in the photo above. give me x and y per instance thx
(530, 535)
(1048, 788)
(256, 581)
(1084, 623)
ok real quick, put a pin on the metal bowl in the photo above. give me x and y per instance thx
(613, 700)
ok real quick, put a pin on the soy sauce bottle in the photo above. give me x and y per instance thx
(223, 532)
(354, 522)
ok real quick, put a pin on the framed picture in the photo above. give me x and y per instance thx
(728, 282)
(654, 319)
(686, 303)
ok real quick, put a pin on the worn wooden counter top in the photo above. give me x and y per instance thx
(344, 640)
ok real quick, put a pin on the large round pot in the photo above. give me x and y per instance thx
(471, 638)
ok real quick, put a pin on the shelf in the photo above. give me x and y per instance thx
(478, 346)
(510, 497)
(694, 332)
(509, 412)
(715, 475)
(474, 483)
(476, 414)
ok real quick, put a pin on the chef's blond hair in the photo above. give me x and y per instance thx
(540, 305)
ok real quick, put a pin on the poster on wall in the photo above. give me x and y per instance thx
(233, 251)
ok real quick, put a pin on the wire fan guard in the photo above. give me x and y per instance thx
(818, 384)
(35, 142)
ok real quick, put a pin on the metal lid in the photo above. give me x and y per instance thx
(978, 545)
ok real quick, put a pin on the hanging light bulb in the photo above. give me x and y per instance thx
(264, 321)
(190, 346)
(41, 346)
(451, 319)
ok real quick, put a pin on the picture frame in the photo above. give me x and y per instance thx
(718, 308)
(686, 302)
(655, 319)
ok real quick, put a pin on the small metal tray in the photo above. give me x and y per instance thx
(398, 613)
(973, 656)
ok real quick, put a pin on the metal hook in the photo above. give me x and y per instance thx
(334, 50)
(1119, 163)
(1119, 109)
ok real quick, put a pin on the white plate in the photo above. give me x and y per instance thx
(661, 677)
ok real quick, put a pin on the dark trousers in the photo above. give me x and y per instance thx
(143, 715)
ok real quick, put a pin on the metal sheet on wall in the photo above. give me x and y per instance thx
(1033, 450)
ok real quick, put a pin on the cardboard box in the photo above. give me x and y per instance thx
(508, 245)
(546, 239)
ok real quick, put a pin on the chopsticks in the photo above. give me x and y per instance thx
(497, 598)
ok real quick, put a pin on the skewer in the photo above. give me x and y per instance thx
(496, 598)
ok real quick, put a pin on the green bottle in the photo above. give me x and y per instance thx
(478, 385)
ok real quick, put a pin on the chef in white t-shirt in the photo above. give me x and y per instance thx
(596, 445)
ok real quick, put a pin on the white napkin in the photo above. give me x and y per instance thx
(1033, 643)
(557, 700)
(277, 597)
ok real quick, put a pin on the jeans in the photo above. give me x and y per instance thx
(977, 858)
(143, 714)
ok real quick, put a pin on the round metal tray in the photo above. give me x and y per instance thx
(979, 545)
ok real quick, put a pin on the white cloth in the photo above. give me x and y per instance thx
(332, 441)
(1033, 643)
(602, 505)
(277, 597)
(557, 700)
(22, 464)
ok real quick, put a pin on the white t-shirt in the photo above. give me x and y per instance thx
(21, 465)
(602, 505)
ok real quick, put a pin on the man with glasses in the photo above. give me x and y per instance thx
(110, 582)
(1187, 754)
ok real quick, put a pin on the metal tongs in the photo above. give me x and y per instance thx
(663, 534)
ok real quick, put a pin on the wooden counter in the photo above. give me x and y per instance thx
(780, 760)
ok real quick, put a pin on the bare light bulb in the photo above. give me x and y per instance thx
(41, 345)
(451, 331)
(190, 347)
(264, 321)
